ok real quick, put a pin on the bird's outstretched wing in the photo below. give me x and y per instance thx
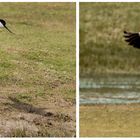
(132, 39)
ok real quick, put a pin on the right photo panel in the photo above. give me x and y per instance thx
(109, 69)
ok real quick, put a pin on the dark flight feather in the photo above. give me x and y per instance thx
(133, 39)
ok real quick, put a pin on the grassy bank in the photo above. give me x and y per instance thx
(102, 46)
(37, 70)
(110, 121)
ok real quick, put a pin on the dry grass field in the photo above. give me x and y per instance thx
(103, 51)
(37, 70)
(102, 46)
(110, 121)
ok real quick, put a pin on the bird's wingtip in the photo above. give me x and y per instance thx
(125, 32)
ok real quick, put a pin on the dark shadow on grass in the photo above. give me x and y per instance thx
(28, 107)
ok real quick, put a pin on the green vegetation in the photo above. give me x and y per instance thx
(110, 121)
(102, 46)
(37, 69)
(104, 53)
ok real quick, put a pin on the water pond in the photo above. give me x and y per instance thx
(110, 89)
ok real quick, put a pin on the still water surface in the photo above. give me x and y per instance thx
(117, 89)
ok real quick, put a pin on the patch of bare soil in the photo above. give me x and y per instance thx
(54, 117)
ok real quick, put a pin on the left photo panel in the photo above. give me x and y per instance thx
(38, 69)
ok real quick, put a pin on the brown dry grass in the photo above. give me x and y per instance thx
(37, 70)
(110, 120)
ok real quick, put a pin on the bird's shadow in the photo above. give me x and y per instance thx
(28, 108)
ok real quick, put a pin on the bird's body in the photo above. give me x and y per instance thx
(3, 24)
(133, 39)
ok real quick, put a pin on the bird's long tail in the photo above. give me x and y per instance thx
(9, 30)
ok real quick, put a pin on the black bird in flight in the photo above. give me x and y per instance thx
(132, 39)
(3, 24)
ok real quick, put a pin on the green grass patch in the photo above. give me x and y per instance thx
(41, 49)
(102, 46)
(37, 61)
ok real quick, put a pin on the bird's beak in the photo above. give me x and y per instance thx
(9, 30)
